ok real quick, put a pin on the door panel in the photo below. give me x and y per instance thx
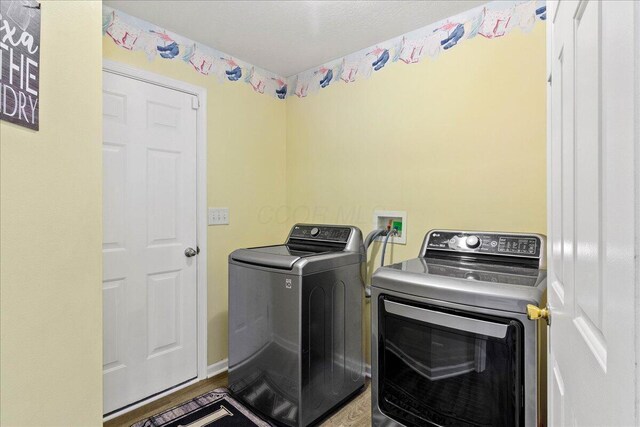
(592, 228)
(112, 296)
(149, 196)
(114, 159)
(165, 312)
(557, 398)
(163, 178)
(588, 173)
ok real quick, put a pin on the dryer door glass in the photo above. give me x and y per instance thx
(442, 367)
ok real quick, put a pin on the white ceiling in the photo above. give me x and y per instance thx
(288, 37)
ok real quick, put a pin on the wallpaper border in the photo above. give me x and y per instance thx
(492, 20)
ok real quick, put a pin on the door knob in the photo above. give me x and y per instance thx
(189, 252)
(535, 313)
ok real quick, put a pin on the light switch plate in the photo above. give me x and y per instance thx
(218, 216)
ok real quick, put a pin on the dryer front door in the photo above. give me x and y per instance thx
(440, 366)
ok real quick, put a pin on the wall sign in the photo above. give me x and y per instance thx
(20, 62)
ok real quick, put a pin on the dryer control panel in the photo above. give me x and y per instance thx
(487, 243)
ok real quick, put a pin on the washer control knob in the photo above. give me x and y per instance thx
(315, 231)
(473, 242)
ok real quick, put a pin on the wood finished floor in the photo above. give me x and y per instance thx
(356, 413)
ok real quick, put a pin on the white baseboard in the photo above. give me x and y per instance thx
(148, 400)
(367, 370)
(212, 370)
(217, 368)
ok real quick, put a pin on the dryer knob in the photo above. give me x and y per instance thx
(315, 231)
(473, 242)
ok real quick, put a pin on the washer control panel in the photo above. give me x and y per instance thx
(505, 244)
(321, 233)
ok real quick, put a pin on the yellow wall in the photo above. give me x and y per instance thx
(246, 172)
(51, 239)
(457, 142)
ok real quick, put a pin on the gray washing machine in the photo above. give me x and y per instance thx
(295, 323)
(452, 343)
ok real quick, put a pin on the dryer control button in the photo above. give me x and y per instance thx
(315, 231)
(473, 242)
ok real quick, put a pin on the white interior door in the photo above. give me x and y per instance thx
(592, 218)
(149, 196)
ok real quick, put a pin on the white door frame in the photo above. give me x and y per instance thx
(201, 208)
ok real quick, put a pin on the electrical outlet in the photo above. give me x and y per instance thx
(218, 216)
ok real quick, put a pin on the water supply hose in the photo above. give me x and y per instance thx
(371, 237)
(384, 245)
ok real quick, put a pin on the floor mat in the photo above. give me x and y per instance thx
(216, 409)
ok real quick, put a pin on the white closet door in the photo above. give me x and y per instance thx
(149, 213)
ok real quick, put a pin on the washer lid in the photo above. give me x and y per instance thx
(279, 256)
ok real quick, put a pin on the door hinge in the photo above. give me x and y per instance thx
(549, 78)
(195, 102)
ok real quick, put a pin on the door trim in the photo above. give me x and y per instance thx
(637, 194)
(201, 208)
